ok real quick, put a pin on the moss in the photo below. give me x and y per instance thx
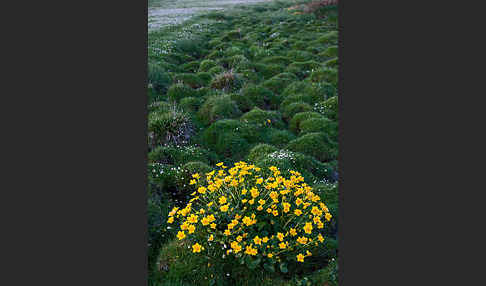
(189, 79)
(216, 70)
(332, 63)
(322, 124)
(329, 108)
(259, 151)
(300, 56)
(279, 60)
(158, 78)
(263, 118)
(307, 98)
(329, 38)
(205, 65)
(325, 74)
(317, 145)
(304, 69)
(244, 103)
(228, 138)
(279, 82)
(310, 168)
(204, 77)
(218, 107)
(330, 52)
(268, 70)
(190, 67)
(279, 138)
(190, 104)
(297, 119)
(178, 91)
(260, 96)
(197, 167)
(290, 110)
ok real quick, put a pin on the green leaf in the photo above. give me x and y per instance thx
(269, 267)
(283, 267)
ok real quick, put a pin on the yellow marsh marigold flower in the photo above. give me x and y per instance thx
(302, 240)
(192, 218)
(234, 183)
(201, 211)
(282, 245)
(213, 225)
(317, 220)
(192, 182)
(173, 211)
(316, 211)
(328, 216)
(297, 212)
(191, 228)
(265, 239)
(262, 202)
(320, 238)
(244, 191)
(239, 238)
(222, 200)
(170, 220)
(300, 257)
(237, 216)
(211, 238)
(227, 232)
(280, 236)
(197, 248)
(275, 213)
(259, 181)
(308, 253)
(180, 235)
(308, 227)
(274, 196)
(235, 246)
(247, 221)
(293, 232)
(270, 255)
(257, 240)
(244, 201)
(184, 225)
(250, 250)
(251, 202)
(210, 204)
(220, 164)
(224, 208)
(286, 207)
(196, 176)
(254, 192)
(259, 208)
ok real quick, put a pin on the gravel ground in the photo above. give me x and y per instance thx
(172, 12)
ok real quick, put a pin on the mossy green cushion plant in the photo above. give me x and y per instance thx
(219, 106)
(290, 110)
(263, 118)
(260, 150)
(317, 145)
(205, 65)
(260, 96)
(298, 118)
(179, 90)
(279, 82)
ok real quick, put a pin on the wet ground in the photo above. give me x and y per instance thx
(172, 12)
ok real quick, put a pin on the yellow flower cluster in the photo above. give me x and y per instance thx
(256, 212)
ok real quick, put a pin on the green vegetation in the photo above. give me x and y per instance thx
(257, 83)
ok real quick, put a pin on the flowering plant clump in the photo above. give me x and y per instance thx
(254, 215)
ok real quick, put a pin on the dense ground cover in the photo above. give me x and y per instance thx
(257, 84)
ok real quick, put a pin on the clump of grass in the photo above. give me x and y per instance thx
(227, 81)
